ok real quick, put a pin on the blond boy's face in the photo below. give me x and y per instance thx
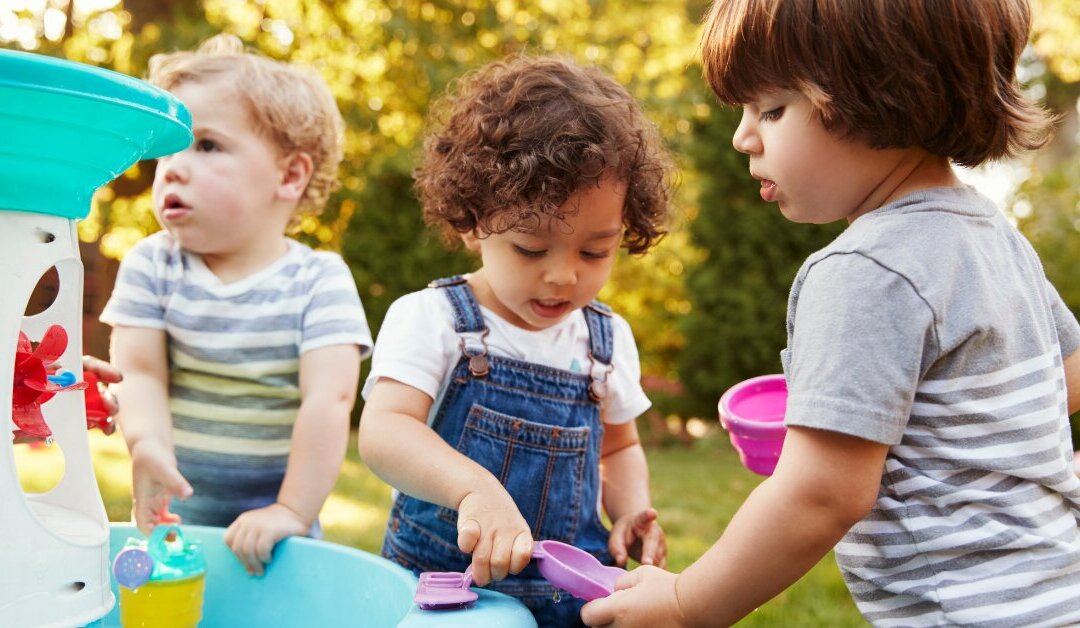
(220, 196)
(814, 175)
(534, 280)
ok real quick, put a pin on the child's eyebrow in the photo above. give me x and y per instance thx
(602, 235)
(200, 129)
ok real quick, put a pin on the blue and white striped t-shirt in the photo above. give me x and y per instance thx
(929, 326)
(234, 349)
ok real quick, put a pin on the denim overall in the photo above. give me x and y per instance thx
(538, 430)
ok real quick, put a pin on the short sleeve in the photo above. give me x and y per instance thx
(334, 314)
(628, 399)
(415, 343)
(859, 337)
(141, 290)
(1068, 330)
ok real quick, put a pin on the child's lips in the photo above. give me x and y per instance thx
(768, 190)
(173, 214)
(548, 308)
(173, 208)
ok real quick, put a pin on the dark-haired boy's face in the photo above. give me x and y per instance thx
(536, 279)
(813, 174)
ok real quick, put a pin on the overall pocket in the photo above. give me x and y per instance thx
(541, 466)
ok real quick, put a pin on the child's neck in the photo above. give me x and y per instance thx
(236, 265)
(916, 170)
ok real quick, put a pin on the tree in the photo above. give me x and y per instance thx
(739, 289)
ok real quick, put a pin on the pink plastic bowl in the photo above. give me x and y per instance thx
(753, 414)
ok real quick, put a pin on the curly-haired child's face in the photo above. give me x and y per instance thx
(535, 279)
(225, 194)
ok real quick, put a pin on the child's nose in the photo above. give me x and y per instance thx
(561, 272)
(746, 140)
(174, 167)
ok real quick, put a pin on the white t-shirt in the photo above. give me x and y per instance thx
(417, 346)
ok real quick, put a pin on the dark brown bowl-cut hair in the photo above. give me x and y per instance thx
(936, 74)
(514, 140)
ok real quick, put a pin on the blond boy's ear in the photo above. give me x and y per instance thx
(296, 170)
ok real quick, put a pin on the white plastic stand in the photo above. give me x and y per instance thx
(54, 546)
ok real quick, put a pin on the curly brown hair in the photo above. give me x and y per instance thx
(513, 140)
(893, 74)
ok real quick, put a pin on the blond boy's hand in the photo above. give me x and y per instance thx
(639, 536)
(155, 481)
(254, 534)
(645, 597)
(107, 374)
(491, 528)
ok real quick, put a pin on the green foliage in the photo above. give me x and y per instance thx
(750, 256)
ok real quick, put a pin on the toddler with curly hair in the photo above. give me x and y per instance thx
(501, 402)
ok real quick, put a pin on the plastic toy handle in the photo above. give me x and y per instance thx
(163, 539)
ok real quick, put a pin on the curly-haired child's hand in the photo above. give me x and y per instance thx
(639, 536)
(491, 528)
(155, 481)
(254, 534)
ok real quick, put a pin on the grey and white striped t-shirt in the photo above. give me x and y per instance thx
(234, 349)
(929, 326)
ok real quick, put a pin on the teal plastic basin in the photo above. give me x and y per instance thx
(68, 128)
(316, 583)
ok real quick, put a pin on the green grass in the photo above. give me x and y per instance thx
(695, 489)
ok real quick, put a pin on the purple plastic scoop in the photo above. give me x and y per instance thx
(566, 567)
(441, 590)
(574, 570)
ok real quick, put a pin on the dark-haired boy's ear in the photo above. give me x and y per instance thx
(296, 170)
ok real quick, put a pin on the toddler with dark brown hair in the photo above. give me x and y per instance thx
(930, 364)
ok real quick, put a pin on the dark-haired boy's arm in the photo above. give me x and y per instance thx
(824, 483)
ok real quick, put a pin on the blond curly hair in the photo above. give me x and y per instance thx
(291, 105)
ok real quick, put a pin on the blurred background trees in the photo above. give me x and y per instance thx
(707, 305)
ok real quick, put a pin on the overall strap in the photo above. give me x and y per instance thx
(598, 317)
(468, 322)
(467, 315)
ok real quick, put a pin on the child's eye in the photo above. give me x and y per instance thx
(595, 254)
(529, 252)
(206, 146)
(772, 115)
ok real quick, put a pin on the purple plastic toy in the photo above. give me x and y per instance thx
(753, 414)
(573, 570)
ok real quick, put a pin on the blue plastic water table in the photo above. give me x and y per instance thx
(316, 583)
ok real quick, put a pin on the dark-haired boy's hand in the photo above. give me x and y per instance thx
(645, 597)
(491, 528)
(639, 536)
